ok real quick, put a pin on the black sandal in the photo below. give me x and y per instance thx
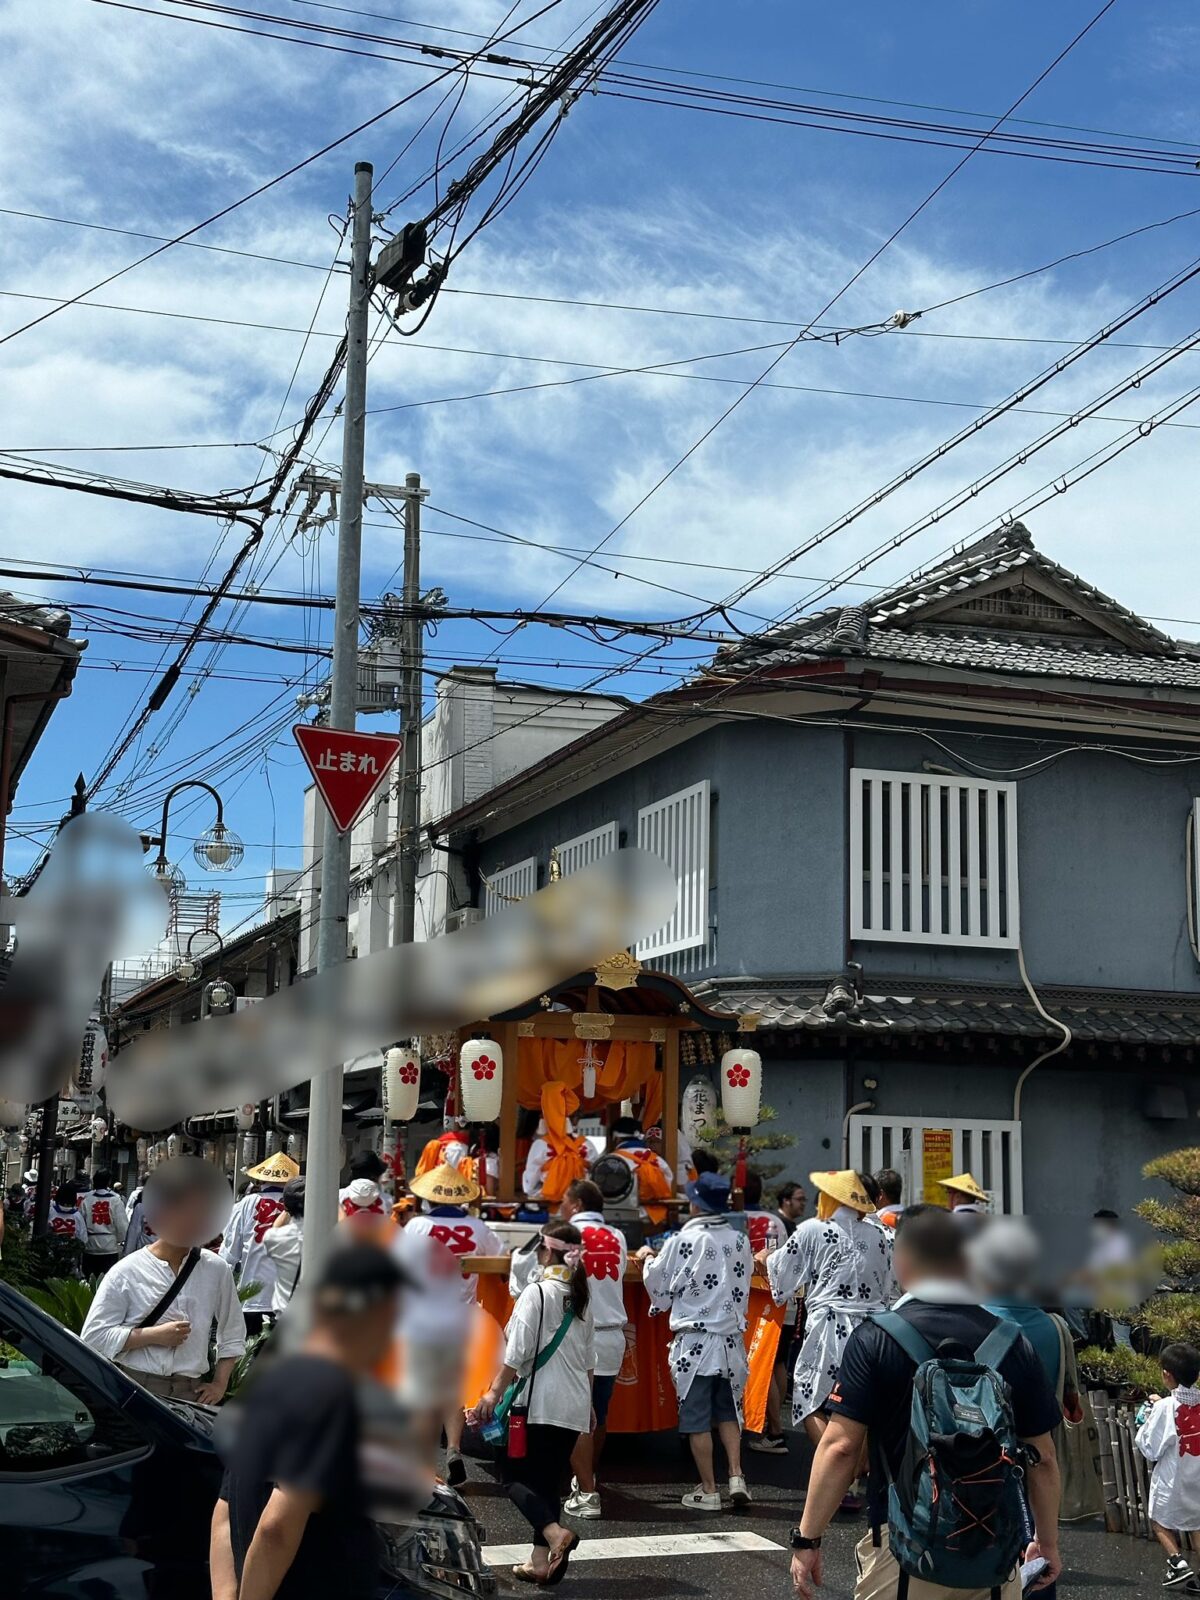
(559, 1561)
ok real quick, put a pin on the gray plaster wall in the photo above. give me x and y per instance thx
(1102, 855)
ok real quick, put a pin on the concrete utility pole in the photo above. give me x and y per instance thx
(325, 1091)
(48, 1135)
(408, 821)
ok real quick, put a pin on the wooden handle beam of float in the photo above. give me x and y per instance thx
(498, 1266)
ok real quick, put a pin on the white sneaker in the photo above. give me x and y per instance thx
(697, 1500)
(583, 1506)
(738, 1492)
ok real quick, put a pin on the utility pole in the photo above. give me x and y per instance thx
(408, 820)
(325, 1090)
(48, 1135)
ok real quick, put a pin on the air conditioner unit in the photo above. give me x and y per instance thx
(466, 917)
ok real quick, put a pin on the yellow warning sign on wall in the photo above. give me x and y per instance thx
(937, 1164)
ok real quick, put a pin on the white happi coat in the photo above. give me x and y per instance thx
(243, 1248)
(702, 1277)
(1170, 1438)
(845, 1268)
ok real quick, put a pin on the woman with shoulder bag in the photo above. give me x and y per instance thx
(544, 1394)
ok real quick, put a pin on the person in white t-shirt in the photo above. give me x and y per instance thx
(551, 1346)
(170, 1355)
(605, 1254)
(435, 1323)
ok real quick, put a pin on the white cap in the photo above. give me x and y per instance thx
(362, 1194)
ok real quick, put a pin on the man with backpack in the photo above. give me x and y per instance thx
(958, 1413)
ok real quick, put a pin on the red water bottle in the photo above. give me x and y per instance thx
(517, 1439)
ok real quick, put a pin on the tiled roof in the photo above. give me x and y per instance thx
(890, 628)
(1041, 655)
(899, 1006)
(51, 619)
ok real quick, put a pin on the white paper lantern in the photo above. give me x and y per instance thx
(741, 1087)
(297, 1146)
(173, 1146)
(143, 1150)
(244, 1117)
(401, 1085)
(12, 1114)
(99, 1130)
(481, 1073)
(698, 1113)
(93, 1061)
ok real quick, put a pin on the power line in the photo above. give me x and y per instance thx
(609, 305)
(755, 83)
(901, 479)
(638, 87)
(829, 304)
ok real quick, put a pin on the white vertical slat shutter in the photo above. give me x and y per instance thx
(509, 884)
(584, 848)
(677, 830)
(933, 860)
(990, 1151)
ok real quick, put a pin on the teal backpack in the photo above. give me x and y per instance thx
(955, 1507)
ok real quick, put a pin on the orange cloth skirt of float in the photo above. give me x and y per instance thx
(644, 1397)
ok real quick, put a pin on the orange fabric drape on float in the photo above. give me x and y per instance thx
(651, 1183)
(764, 1324)
(430, 1157)
(625, 1069)
(570, 1156)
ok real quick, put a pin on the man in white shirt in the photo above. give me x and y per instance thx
(540, 1151)
(604, 1257)
(162, 1342)
(435, 1324)
(655, 1180)
(242, 1246)
(702, 1277)
(104, 1217)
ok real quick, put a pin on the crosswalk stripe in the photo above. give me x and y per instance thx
(665, 1544)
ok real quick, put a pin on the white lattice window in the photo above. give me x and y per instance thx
(584, 848)
(677, 830)
(510, 883)
(933, 860)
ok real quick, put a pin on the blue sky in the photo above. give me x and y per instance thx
(148, 122)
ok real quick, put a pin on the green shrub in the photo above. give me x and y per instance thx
(1120, 1368)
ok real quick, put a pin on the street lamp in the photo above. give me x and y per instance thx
(216, 850)
(190, 967)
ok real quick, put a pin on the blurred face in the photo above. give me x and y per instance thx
(794, 1205)
(905, 1269)
(568, 1207)
(195, 1206)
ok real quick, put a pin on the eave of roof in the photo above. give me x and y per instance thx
(893, 1006)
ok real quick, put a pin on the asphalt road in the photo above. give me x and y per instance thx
(642, 1480)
